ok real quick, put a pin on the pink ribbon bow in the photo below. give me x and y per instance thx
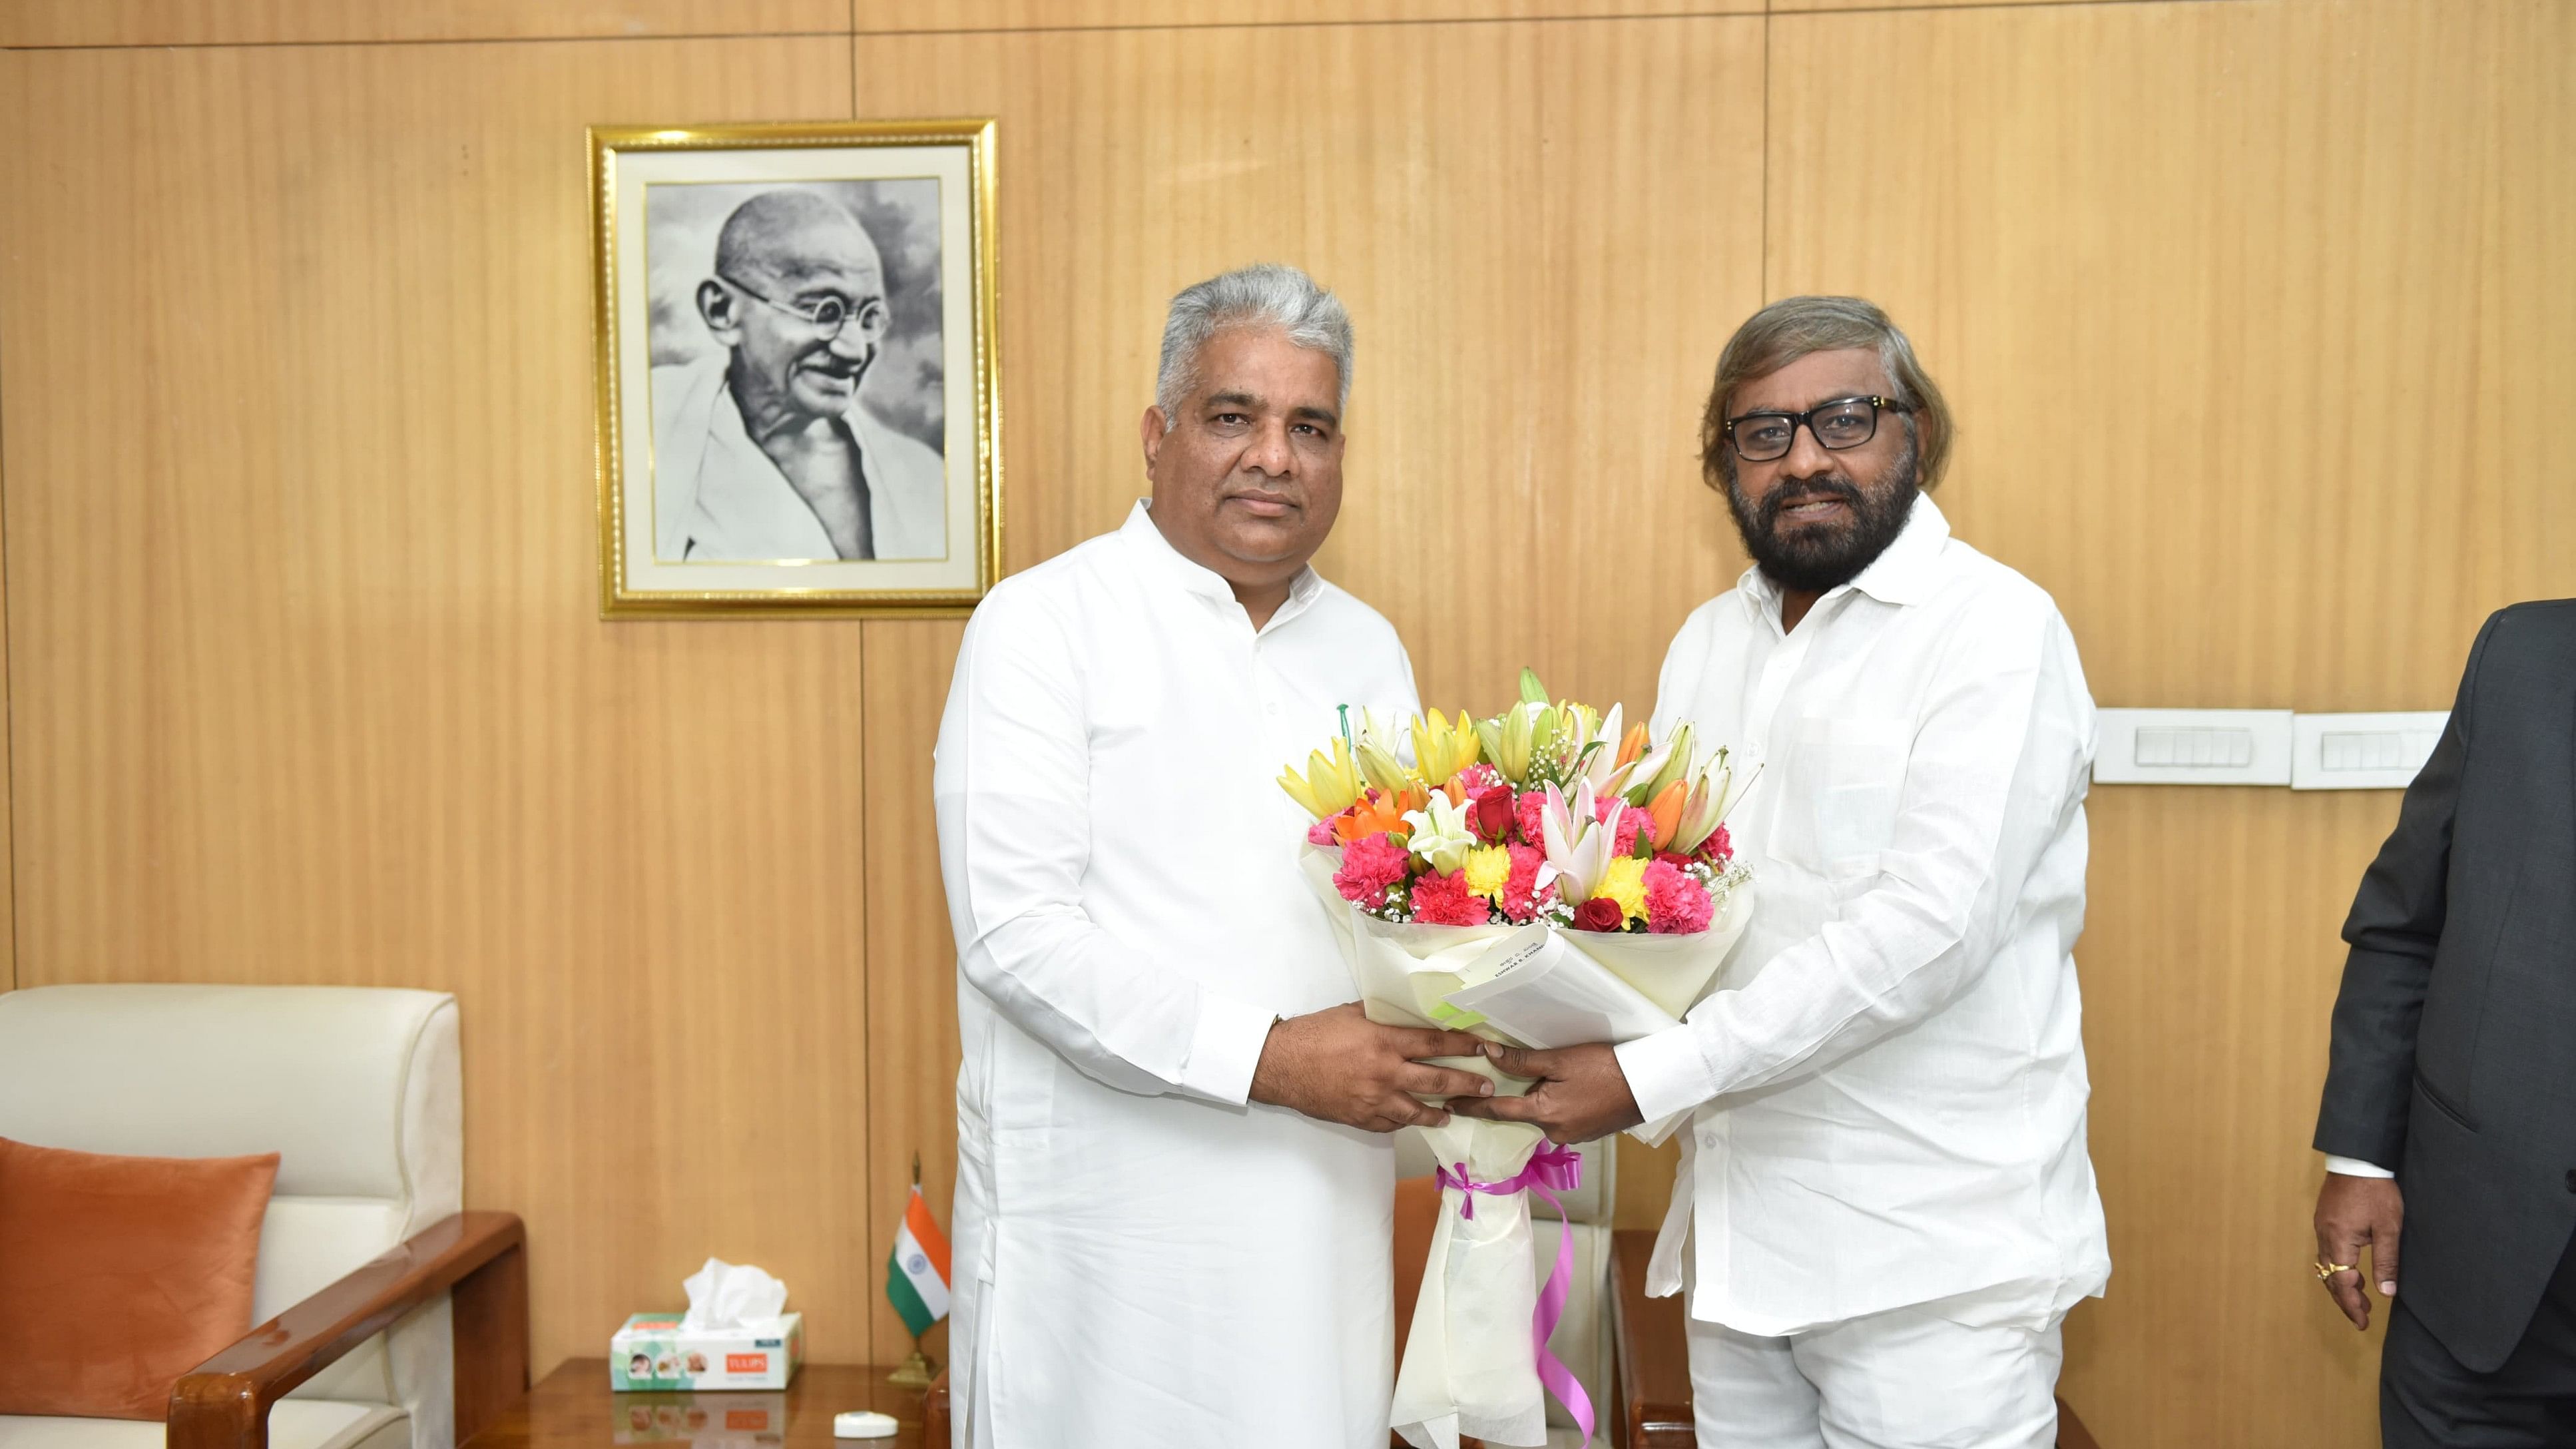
(1552, 1169)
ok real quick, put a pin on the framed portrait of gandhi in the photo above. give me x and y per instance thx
(794, 327)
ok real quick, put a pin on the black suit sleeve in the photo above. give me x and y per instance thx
(2396, 923)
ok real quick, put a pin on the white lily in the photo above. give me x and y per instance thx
(1440, 834)
(1714, 791)
(1379, 760)
(1578, 845)
(1601, 769)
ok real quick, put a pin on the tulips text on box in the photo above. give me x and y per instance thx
(1545, 812)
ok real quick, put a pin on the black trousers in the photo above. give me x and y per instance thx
(2428, 1401)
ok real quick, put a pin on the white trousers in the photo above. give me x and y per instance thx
(1904, 1379)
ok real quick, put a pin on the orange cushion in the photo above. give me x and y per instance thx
(121, 1274)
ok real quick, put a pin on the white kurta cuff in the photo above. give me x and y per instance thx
(2355, 1167)
(1665, 1071)
(1224, 1048)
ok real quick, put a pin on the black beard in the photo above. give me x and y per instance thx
(1816, 560)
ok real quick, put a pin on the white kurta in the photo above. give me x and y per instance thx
(1890, 1073)
(1143, 1259)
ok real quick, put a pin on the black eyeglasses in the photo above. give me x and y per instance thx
(1844, 422)
(830, 315)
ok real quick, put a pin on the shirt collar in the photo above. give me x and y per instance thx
(1905, 572)
(1909, 568)
(1202, 581)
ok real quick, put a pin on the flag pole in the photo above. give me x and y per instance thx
(918, 1370)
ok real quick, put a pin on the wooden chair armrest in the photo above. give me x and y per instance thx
(1650, 1340)
(224, 1402)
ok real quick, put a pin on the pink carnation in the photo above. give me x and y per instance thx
(1633, 822)
(1321, 833)
(1525, 810)
(1520, 893)
(1369, 866)
(1479, 777)
(1676, 905)
(1717, 849)
(1444, 900)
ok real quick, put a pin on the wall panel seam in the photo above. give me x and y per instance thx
(1426, 22)
(867, 1003)
(356, 41)
(1897, 7)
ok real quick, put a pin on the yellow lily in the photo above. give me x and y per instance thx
(1329, 786)
(1380, 767)
(1513, 740)
(1441, 749)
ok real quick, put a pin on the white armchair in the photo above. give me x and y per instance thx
(386, 1318)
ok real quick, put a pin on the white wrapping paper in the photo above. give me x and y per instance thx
(1469, 1362)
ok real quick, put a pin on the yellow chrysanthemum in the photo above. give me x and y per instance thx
(1625, 882)
(1489, 870)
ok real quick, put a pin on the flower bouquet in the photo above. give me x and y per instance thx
(1546, 816)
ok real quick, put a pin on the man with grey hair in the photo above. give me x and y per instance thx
(763, 452)
(1174, 1179)
(1885, 1207)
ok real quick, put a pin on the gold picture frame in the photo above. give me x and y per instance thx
(755, 457)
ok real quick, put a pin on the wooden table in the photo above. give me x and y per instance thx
(575, 1409)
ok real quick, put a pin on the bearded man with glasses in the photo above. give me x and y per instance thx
(763, 452)
(1885, 1206)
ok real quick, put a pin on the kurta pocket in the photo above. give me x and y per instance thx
(1839, 791)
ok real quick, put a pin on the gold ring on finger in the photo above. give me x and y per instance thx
(2326, 1271)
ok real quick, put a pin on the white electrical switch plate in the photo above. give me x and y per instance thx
(2192, 747)
(2362, 751)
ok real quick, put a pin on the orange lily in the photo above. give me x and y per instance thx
(1632, 746)
(1666, 812)
(1379, 814)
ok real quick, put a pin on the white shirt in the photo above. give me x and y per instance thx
(717, 497)
(1142, 1258)
(1890, 1074)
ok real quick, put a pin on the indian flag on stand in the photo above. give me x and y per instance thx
(917, 1272)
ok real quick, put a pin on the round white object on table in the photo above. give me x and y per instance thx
(863, 1424)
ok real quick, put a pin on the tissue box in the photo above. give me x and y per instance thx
(653, 1351)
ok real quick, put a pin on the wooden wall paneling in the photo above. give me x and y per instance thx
(2230, 355)
(2234, 337)
(895, 16)
(309, 681)
(912, 955)
(2209, 965)
(1542, 230)
(265, 22)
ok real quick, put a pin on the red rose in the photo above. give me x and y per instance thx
(1494, 814)
(1599, 914)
